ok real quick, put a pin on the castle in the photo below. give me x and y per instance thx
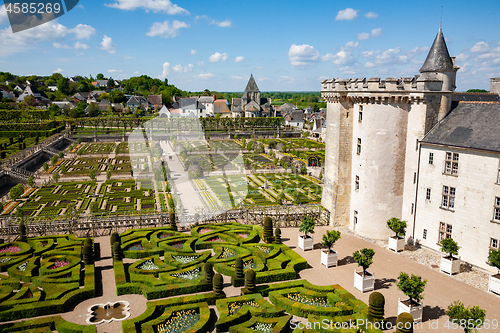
(380, 132)
(251, 104)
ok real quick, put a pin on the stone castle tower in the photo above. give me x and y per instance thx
(373, 127)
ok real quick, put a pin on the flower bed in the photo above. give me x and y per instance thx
(179, 322)
(317, 301)
(135, 247)
(58, 264)
(185, 259)
(10, 248)
(148, 265)
(227, 253)
(188, 275)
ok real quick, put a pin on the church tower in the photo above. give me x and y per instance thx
(373, 128)
(252, 92)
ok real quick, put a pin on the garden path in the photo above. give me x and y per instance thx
(105, 292)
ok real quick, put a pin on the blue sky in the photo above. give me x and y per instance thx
(287, 45)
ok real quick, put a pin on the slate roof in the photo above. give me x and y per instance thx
(438, 59)
(251, 85)
(471, 96)
(155, 99)
(469, 125)
(188, 103)
(206, 99)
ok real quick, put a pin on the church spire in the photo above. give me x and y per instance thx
(251, 85)
(438, 59)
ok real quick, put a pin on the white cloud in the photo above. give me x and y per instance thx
(166, 30)
(224, 24)
(352, 44)
(77, 46)
(346, 14)
(216, 57)
(371, 15)
(136, 73)
(367, 53)
(480, 47)
(164, 6)
(369, 64)
(59, 70)
(128, 58)
(234, 77)
(343, 57)
(204, 76)
(376, 32)
(108, 45)
(302, 55)
(200, 63)
(114, 70)
(363, 36)
(389, 56)
(166, 70)
(239, 59)
(182, 69)
(193, 52)
(82, 31)
(4, 19)
(417, 50)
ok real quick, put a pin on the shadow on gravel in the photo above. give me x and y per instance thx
(433, 312)
(383, 283)
(347, 260)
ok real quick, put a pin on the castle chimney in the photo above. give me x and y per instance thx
(495, 85)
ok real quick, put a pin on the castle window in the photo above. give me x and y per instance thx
(424, 234)
(358, 149)
(414, 177)
(448, 201)
(496, 211)
(444, 231)
(412, 208)
(451, 164)
(493, 244)
(431, 158)
(428, 194)
(360, 114)
(356, 183)
(355, 217)
(498, 175)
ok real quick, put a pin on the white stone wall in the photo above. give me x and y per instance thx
(415, 131)
(331, 156)
(476, 189)
(380, 167)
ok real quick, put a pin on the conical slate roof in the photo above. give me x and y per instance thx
(438, 59)
(251, 85)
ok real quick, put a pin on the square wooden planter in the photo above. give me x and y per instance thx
(450, 265)
(494, 284)
(329, 258)
(364, 282)
(306, 243)
(416, 310)
(396, 243)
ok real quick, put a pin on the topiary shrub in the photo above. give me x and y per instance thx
(88, 241)
(376, 304)
(218, 284)
(115, 238)
(277, 236)
(238, 268)
(208, 272)
(268, 230)
(88, 254)
(404, 323)
(22, 232)
(117, 252)
(250, 280)
(173, 224)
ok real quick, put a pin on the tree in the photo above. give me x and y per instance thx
(412, 286)
(16, 192)
(22, 229)
(92, 175)
(277, 236)
(54, 160)
(468, 318)
(268, 230)
(63, 85)
(281, 198)
(238, 268)
(111, 82)
(218, 285)
(45, 166)
(61, 154)
(31, 181)
(250, 280)
(307, 226)
(493, 259)
(208, 273)
(448, 245)
(108, 175)
(397, 226)
(329, 238)
(100, 76)
(376, 307)
(94, 207)
(364, 258)
(56, 176)
(93, 110)
(63, 169)
(404, 323)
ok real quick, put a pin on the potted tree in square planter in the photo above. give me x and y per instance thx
(449, 263)
(306, 242)
(413, 287)
(364, 281)
(470, 319)
(494, 282)
(397, 242)
(328, 256)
